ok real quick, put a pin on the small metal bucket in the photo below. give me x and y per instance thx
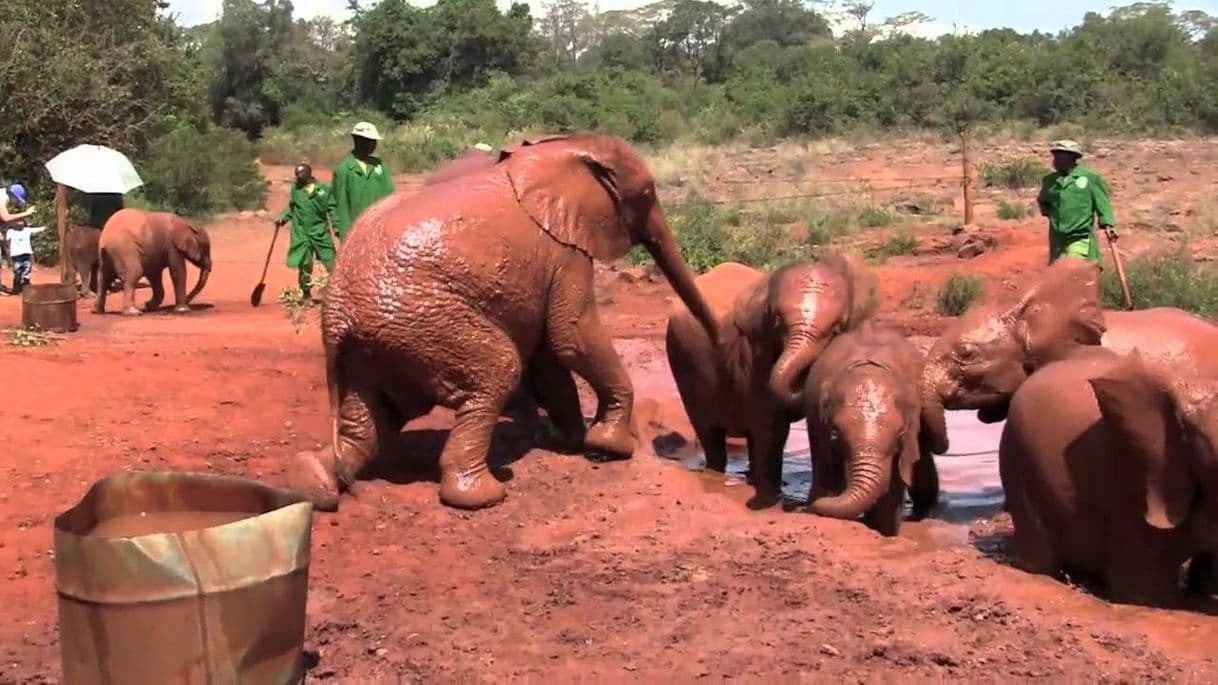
(218, 604)
(49, 307)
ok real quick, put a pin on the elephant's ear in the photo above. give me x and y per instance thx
(1142, 406)
(187, 237)
(1060, 313)
(573, 195)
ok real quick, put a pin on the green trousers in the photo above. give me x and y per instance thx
(301, 255)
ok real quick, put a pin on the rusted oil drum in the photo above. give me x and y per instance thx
(49, 307)
(168, 577)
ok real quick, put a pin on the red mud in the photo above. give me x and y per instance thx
(625, 571)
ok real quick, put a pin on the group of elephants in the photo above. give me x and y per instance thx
(137, 244)
(476, 294)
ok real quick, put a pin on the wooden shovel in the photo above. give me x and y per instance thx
(1120, 269)
(256, 296)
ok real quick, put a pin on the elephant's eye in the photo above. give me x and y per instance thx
(834, 436)
(968, 353)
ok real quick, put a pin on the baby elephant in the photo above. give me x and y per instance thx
(773, 327)
(136, 244)
(1110, 468)
(864, 413)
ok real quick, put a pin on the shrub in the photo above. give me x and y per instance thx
(874, 216)
(197, 173)
(1012, 211)
(957, 294)
(698, 225)
(1172, 280)
(1025, 172)
(901, 243)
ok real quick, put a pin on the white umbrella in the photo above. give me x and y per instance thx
(94, 169)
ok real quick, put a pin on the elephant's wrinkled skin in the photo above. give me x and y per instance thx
(862, 403)
(1109, 471)
(437, 297)
(984, 356)
(773, 328)
(135, 243)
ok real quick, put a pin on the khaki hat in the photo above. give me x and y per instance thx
(483, 147)
(365, 130)
(1069, 146)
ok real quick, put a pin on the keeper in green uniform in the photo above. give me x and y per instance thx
(309, 207)
(360, 179)
(1071, 198)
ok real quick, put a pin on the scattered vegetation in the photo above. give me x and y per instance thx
(1012, 211)
(1017, 174)
(1166, 280)
(901, 243)
(957, 294)
(301, 313)
(31, 337)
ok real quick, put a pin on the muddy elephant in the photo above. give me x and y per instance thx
(135, 243)
(863, 409)
(82, 250)
(773, 326)
(437, 297)
(983, 357)
(1110, 473)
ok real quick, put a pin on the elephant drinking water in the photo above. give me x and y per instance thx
(438, 298)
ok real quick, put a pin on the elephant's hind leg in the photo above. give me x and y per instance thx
(766, 444)
(554, 389)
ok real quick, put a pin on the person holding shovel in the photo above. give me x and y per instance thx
(310, 211)
(360, 179)
(1071, 198)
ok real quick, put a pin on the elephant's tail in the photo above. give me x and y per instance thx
(333, 350)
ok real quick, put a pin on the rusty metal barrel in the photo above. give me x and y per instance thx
(169, 577)
(49, 307)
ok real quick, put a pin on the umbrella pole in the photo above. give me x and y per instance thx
(61, 219)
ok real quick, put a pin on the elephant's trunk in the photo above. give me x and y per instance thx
(797, 356)
(204, 272)
(869, 476)
(934, 417)
(667, 255)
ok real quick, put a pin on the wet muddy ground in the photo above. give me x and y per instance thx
(622, 571)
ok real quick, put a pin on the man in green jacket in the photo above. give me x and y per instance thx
(360, 179)
(309, 207)
(1071, 198)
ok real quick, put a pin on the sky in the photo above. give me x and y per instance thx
(1023, 15)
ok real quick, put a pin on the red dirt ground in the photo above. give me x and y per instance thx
(626, 571)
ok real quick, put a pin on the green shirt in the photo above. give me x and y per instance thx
(357, 188)
(308, 209)
(1071, 202)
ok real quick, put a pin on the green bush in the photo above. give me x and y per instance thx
(874, 216)
(957, 294)
(1012, 211)
(1172, 280)
(1017, 174)
(698, 225)
(197, 173)
(901, 243)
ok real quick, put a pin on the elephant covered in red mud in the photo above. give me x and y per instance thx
(774, 325)
(439, 298)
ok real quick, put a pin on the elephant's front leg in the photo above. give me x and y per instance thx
(157, 283)
(924, 491)
(177, 276)
(554, 389)
(767, 439)
(105, 273)
(581, 344)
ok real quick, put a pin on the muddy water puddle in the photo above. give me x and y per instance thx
(968, 477)
(149, 523)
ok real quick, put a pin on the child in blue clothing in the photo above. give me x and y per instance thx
(21, 253)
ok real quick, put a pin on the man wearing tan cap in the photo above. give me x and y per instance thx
(1071, 198)
(359, 180)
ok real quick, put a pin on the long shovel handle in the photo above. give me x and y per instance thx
(269, 252)
(1120, 269)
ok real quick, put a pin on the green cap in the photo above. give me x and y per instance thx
(1069, 146)
(365, 130)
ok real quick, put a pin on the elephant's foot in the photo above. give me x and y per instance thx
(97, 310)
(473, 490)
(311, 479)
(132, 311)
(181, 309)
(615, 439)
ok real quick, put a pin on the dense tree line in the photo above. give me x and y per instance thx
(124, 73)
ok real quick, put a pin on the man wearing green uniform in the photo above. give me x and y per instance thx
(360, 179)
(1071, 198)
(309, 206)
